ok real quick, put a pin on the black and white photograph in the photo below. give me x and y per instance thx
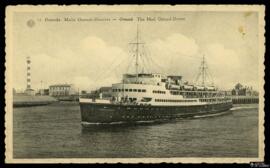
(134, 84)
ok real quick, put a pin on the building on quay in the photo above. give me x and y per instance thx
(241, 94)
(240, 90)
(59, 90)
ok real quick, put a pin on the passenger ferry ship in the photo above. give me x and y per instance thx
(149, 97)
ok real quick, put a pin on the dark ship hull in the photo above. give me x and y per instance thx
(97, 113)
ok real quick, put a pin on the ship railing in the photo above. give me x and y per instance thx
(130, 103)
(197, 94)
(216, 99)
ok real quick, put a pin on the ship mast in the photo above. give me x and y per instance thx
(137, 53)
(203, 72)
(137, 43)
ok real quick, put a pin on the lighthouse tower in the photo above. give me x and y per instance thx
(29, 90)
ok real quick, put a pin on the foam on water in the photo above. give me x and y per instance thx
(242, 107)
(145, 121)
(99, 123)
(210, 115)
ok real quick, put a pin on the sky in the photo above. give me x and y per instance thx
(91, 54)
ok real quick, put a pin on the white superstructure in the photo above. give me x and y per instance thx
(158, 89)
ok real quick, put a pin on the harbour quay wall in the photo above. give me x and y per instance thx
(245, 99)
(27, 100)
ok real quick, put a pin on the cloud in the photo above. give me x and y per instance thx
(222, 57)
(225, 64)
(97, 51)
(181, 44)
(93, 44)
(174, 52)
(93, 63)
(173, 45)
(87, 65)
(181, 55)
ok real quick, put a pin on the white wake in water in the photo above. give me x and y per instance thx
(242, 107)
(97, 123)
(209, 115)
(113, 123)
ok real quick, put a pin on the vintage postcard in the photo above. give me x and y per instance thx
(134, 84)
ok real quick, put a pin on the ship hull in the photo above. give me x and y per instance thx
(92, 113)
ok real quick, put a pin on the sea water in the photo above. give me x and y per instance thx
(55, 131)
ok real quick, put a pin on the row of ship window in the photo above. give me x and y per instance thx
(175, 101)
(159, 92)
(137, 90)
(192, 92)
(212, 100)
(129, 90)
(207, 100)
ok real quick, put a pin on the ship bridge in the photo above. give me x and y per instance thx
(144, 78)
